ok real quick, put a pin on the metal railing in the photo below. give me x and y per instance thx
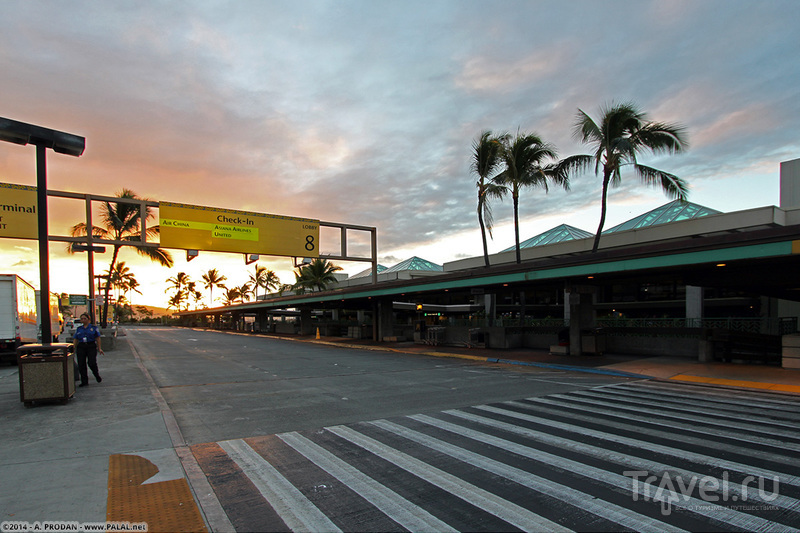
(769, 326)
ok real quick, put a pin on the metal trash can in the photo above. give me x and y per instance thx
(46, 373)
(593, 341)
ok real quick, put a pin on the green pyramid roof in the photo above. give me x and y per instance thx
(415, 263)
(368, 272)
(671, 212)
(561, 233)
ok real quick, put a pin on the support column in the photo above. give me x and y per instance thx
(694, 306)
(385, 319)
(694, 319)
(306, 327)
(581, 316)
(490, 307)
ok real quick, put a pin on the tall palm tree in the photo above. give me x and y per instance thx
(524, 159)
(485, 161)
(271, 281)
(230, 296)
(212, 279)
(176, 300)
(245, 290)
(181, 283)
(193, 293)
(316, 275)
(124, 281)
(623, 134)
(122, 222)
(264, 278)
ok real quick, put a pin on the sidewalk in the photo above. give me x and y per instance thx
(106, 450)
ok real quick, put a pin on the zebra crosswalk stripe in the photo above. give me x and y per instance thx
(503, 509)
(698, 414)
(294, 509)
(614, 513)
(623, 483)
(629, 461)
(669, 426)
(686, 417)
(405, 513)
(666, 450)
(582, 435)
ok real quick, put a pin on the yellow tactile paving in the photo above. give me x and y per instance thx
(164, 506)
(739, 383)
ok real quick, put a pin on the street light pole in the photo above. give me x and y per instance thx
(44, 244)
(64, 143)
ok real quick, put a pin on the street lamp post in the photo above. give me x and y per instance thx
(62, 143)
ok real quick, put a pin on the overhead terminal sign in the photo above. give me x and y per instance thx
(192, 227)
(18, 217)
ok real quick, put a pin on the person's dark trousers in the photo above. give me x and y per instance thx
(87, 355)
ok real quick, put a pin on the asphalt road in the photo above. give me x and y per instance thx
(225, 386)
(297, 436)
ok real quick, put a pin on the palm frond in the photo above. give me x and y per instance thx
(585, 129)
(673, 186)
(660, 137)
(163, 257)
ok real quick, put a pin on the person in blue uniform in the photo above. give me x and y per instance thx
(87, 345)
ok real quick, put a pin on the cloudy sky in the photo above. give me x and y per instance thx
(364, 112)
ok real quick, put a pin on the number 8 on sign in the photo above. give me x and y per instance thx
(309, 242)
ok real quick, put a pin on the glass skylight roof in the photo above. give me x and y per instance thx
(560, 233)
(368, 272)
(671, 212)
(415, 263)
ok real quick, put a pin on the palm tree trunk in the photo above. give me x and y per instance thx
(516, 226)
(483, 236)
(603, 208)
(104, 321)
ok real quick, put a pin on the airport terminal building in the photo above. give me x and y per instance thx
(681, 279)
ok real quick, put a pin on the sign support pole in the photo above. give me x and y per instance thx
(44, 244)
(90, 255)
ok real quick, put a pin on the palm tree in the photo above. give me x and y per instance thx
(623, 134)
(124, 281)
(230, 296)
(122, 222)
(485, 161)
(181, 283)
(264, 278)
(193, 293)
(523, 158)
(245, 290)
(176, 300)
(271, 281)
(315, 275)
(212, 279)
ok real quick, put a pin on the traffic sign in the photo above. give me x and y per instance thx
(78, 299)
(190, 227)
(18, 217)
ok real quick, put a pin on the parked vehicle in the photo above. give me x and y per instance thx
(56, 320)
(18, 316)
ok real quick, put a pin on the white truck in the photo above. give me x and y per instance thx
(18, 317)
(56, 320)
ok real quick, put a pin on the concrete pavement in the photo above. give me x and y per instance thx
(120, 457)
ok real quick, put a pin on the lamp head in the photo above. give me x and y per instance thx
(21, 133)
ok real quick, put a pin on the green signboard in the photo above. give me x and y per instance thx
(78, 299)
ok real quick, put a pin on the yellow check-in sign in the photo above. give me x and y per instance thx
(192, 227)
(18, 212)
